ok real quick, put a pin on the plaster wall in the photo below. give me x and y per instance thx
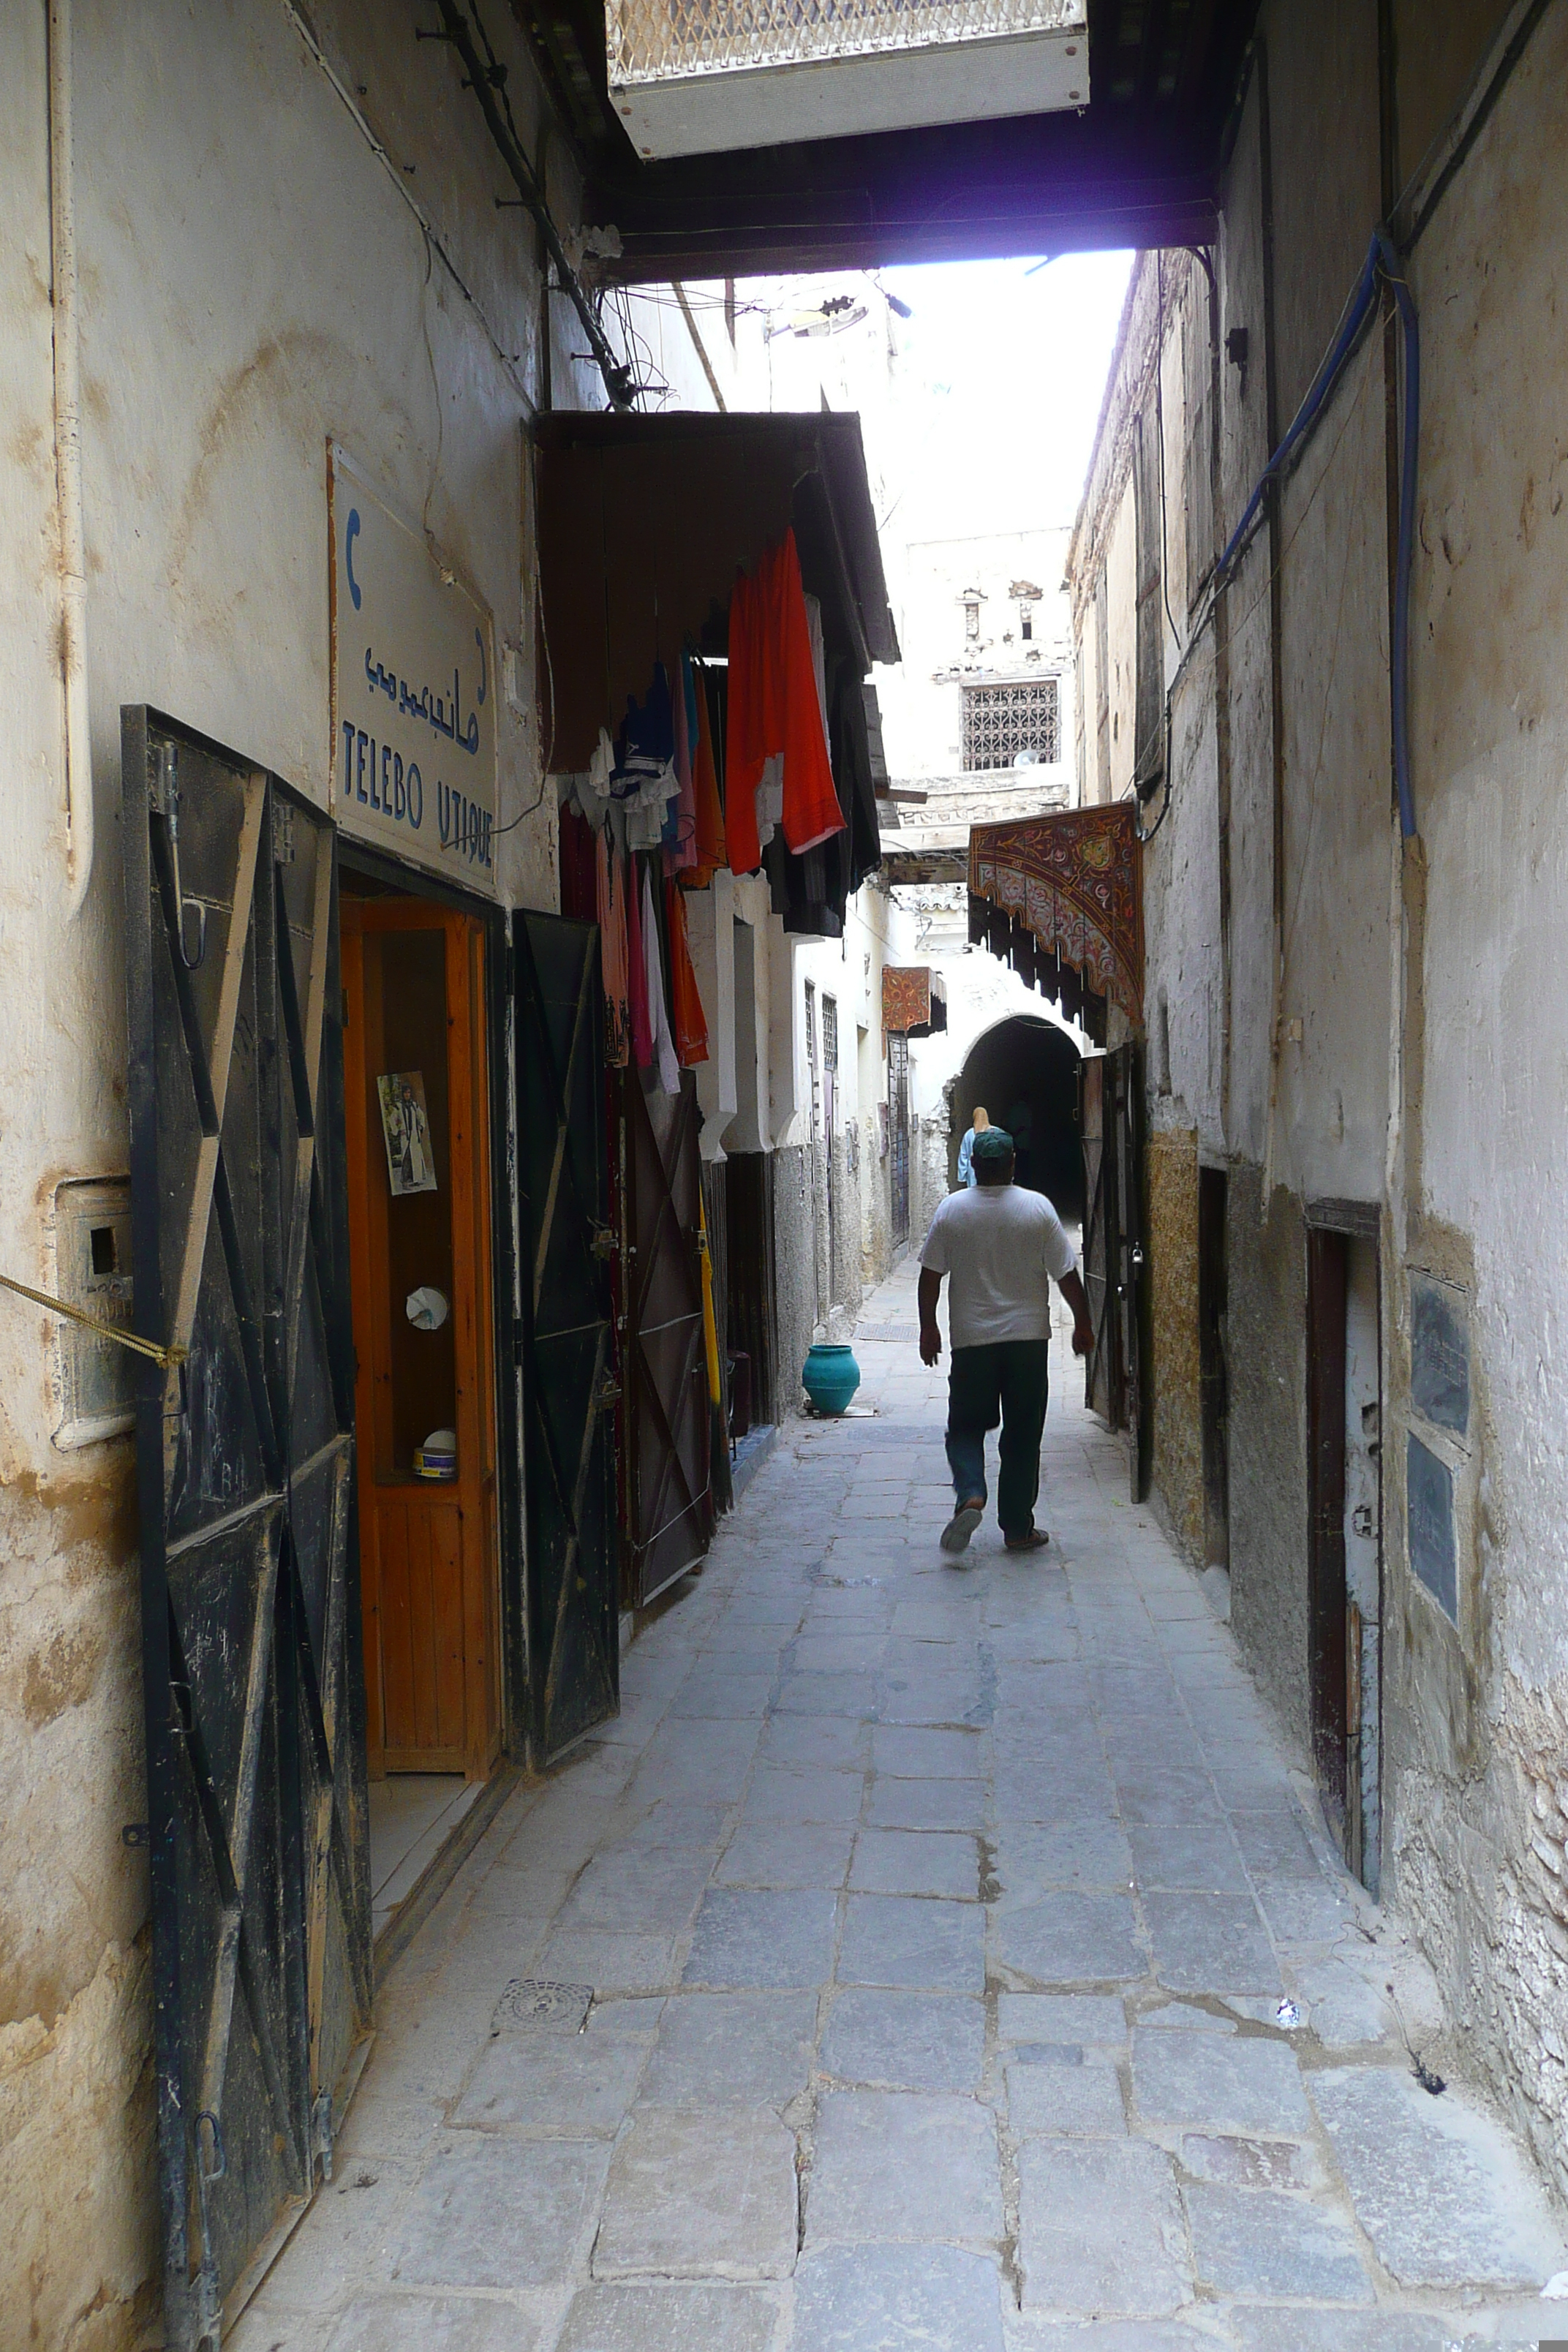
(278, 242)
(1479, 1824)
(1178, 1459)
(1393, 1035)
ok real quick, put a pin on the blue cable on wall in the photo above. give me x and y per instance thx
(1382, 266)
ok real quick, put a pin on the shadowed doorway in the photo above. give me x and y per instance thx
(1025, 1071)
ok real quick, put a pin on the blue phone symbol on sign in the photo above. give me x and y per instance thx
(350, 535)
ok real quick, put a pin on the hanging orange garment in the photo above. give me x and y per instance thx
(811, 809)
(712, 853)
(690, 1023)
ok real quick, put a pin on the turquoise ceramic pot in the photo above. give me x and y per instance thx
(831, 1376)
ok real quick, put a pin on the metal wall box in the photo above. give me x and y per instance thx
(96, 1378)
(1429, 1504)
(692, 78)
(1439, 1354)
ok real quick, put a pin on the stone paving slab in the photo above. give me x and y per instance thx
(906, 2040)
(949, 1907)
(899, 2165)
(897, 2299)
(700, 2191)
(668, 2315)
(1258, 2242)
(1441, 2193)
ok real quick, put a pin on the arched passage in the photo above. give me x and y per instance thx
(1025, 1071)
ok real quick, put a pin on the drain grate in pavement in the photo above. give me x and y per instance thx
(899, 1331)
(536, 2005)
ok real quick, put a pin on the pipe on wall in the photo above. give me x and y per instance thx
(68, 464)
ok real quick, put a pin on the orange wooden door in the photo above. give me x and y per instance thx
(413, 997)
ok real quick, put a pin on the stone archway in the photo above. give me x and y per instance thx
(1025, 1069)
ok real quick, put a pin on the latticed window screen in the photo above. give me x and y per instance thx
(1001, 722)
(648, 38)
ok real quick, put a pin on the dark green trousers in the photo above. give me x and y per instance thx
(1004, 1382)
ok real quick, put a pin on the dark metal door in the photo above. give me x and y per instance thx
(252, 1673)
(668, 1505)
(1327, 1269)
(1125, 1079)
(1102, 1367)
(569, 1370)
(898, 1131)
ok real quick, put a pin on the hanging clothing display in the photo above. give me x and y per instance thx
(658, 1010)
(613, 952)
(691, 1021)
(711, 853)
(644, 778)
(776, 713)
(637, 973)
(680, 819)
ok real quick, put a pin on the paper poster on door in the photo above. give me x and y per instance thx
(406, 1127)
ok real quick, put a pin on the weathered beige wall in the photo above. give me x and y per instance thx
(252, 281)
(1178, 1458)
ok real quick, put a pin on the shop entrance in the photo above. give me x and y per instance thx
(415, 1090)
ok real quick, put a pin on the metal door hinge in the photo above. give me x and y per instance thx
(608, 1393)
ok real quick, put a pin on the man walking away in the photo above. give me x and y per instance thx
(1002, 1247)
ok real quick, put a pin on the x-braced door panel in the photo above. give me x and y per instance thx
(1102, 1374)
(570, 1373)
(250, 1615)
(669, 1511)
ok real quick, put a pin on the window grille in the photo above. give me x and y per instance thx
(830, 1033)
(1003, 722)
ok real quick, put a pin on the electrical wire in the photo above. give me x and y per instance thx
(488, 79)
(1380, 267)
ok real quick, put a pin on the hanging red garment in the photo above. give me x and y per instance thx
(811, 810)
(690, 1023)
(636, 974)
(611, 893)
(775, 710)
(712, 853)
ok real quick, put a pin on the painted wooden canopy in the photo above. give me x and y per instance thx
(1059, 898)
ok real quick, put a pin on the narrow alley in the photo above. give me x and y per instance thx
(929, 1954)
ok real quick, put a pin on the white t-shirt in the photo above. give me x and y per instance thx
(1004, 1246)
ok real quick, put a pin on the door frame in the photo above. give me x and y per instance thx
(354, 858)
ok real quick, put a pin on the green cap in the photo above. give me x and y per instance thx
(991, 1143)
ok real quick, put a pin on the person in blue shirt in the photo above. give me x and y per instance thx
(978, 1126)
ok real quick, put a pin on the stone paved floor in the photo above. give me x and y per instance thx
(938, 1920)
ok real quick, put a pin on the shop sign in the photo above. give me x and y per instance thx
(413, 739)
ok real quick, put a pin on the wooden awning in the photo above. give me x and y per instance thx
(1059, 898)
(643, 522)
